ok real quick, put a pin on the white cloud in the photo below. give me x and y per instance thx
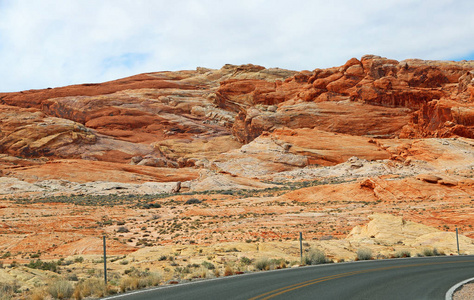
(52, 43)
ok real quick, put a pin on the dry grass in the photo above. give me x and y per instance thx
(90, 287)
(364, 254)
(139, 281)
(314, 257)
(38, 294)
(60, 289)
(263, 264)
(228, 271)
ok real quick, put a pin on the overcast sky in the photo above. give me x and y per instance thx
(50, 43)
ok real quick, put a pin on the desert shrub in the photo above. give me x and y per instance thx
(228, 271)
(43, 265)
(138, 280)
(278, 263)
(60, 289)
(262, 264)
(38, 294)
(364, 254)
(193, 201)
(430, 252)
(107, 222)
(162, 258)
(7, 290)
(72, 277)
(402, 253)
(208, 265)
(128, 283)
(315, 257)
(245, 261)
(90, 287)
(79, 259)
(123, 229)
(151, 205)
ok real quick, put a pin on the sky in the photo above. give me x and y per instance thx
(51, 43)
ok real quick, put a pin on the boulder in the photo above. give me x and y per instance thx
(428, 178)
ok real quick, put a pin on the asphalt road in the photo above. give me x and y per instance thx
(413, 278)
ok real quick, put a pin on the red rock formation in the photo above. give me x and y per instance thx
(35, 98)
(438, 94)
(118, 120)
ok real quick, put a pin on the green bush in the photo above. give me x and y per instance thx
(208, 265)
(315, 257)
(43, 265)
(245, 261)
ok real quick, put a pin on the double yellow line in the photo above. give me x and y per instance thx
(290, 288)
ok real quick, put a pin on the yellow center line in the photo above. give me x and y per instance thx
(292, 287)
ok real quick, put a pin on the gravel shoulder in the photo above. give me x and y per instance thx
(465, 293)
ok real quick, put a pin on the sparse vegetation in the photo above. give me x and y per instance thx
(193, 201)
(228, 270)
(208, 265)
(402, 254)
(90, 287)
(7, 290)
(262, 264)
(60, 289)
(245, 261)
(43, 265)
(364, 254)
(315, 257)
(137, 279)
(123, 229)
(430, 252)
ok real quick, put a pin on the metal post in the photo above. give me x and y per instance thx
(457, 239)
(301, 247)
(105, 262)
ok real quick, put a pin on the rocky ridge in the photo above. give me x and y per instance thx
(210, 118)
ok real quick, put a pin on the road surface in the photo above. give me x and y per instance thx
(413, 278)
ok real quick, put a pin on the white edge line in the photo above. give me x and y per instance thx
(449, 294)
